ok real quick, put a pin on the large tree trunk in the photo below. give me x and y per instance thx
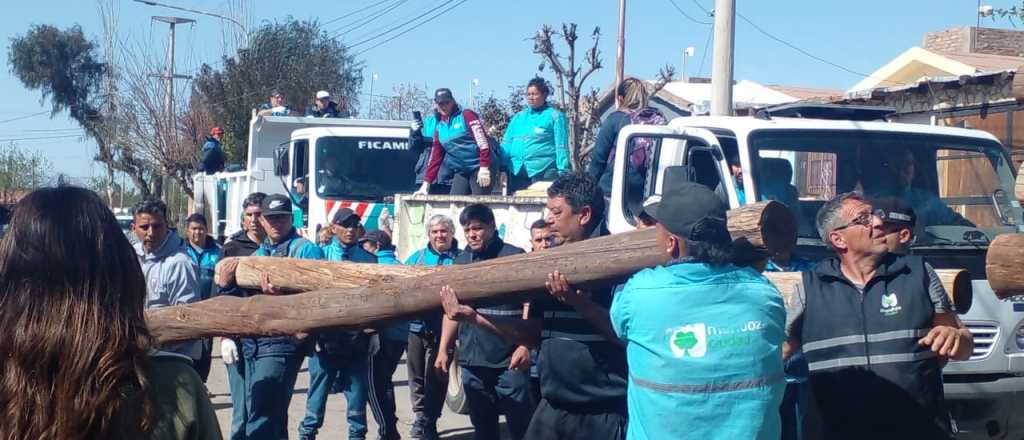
(293, 276)
(602, 261)
(956, 281)
(1003, 265)
(769, 225)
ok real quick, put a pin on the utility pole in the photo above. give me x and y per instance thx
(168, 77)
(687, 53)
(721, 73)
(621, 52)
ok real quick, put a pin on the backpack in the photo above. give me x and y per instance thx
(643, 147)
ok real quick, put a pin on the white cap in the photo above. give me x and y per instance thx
(322, 95)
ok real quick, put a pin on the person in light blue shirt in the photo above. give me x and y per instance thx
(536, 142)
(703, 336)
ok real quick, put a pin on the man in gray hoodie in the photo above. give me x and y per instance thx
(170, 275)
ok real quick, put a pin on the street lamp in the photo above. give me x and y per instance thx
(245, 32)
(688, 52)
(369, 109)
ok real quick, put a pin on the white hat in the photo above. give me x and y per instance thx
(323, 95)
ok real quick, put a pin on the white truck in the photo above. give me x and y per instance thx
(961, 186)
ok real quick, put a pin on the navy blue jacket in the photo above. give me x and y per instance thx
(211, 157)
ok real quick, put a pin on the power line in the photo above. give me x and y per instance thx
(25, 117)
(42, 137)
(798, 49)
(704, 55)
(702, 8)
(435, 8)
(354, 12)
(428, 20)
(688, 16)
(341, 32)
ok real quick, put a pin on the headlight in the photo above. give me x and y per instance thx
(1019, 336)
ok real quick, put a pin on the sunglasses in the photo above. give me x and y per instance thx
(862, 219)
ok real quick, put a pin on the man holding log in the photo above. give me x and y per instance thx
(272, 363)
(581, 362)
(340, 357)
(873, 336)
(495, 372)
(703, 336)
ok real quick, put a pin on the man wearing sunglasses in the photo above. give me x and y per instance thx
(873, 336)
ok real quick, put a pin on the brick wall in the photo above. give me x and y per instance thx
(1007, 42)
(955, 40)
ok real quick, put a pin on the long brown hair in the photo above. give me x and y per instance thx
(74, 347)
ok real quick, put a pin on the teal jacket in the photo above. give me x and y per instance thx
(205, 261)
(427, 256)
(400, 331)
(704, 347)
(537, 140)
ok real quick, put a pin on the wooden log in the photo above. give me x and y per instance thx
(1004, 263)
(600, 260)
(294, 276)
(767, 224)
(956, 281)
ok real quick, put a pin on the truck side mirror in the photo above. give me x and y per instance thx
(281, 164)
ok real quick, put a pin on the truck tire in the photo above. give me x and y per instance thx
(455, 397)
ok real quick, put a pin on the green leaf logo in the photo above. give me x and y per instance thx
(685, 340)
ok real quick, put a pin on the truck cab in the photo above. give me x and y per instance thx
(960, 183)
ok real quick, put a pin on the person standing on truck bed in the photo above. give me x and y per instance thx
(426, 385)
(461, 144)
(582, 363)
(324, 107)
(276, 106)
(495, 373)
(536, 142)
(703, 335)
(631, 99)
(873, 334)
(272, 363)
(339, 357)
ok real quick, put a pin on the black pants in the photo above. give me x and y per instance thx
(427, 386)
(494, 391)
(465, 184)
(384, 357)
(550, 423)
(205, 359)
(521, 180)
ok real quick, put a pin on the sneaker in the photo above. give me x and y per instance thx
(430, 431)
(307, 436)
(417, 429)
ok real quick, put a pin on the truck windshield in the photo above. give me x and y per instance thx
(958, 187)
(363, 168)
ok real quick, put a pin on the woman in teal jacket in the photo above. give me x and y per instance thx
(536, 142)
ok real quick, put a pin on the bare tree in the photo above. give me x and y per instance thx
(569, 77)
(404, 99)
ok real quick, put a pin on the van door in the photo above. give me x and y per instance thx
(668, 147)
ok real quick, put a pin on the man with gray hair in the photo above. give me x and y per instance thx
(426, 385)
(874, 336)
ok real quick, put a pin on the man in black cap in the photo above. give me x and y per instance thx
(703, 336)
(276, 106)
(272, 363)
(342, 355)
(460, 146)
(898, 221)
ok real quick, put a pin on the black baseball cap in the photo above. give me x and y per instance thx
(895, 211)
(276, 204)
(690, 210)
(443, 94)
(377, 236)
(342, 215)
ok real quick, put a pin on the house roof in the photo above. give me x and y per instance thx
(916, 65)
(805, 93)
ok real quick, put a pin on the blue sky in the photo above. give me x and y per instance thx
(489, 40)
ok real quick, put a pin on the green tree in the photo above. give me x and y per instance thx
(497, 113)
(21, 169)
(298, 58)
(64, 67)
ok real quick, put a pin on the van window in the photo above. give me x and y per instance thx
(364, 168)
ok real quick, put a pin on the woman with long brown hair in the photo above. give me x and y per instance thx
(76, 359)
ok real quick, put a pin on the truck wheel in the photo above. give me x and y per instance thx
(455, 397)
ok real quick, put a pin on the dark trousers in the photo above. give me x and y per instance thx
(205, 359)
(236, 383)
(521, 180)
(490, 391)
(384, 357)
(465, 184)
(270, 381)
(794, 403)
(427, 386)
(550, 423)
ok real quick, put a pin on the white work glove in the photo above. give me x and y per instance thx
(483, 177)
(228, 351)
(416, 126)
(424, 189)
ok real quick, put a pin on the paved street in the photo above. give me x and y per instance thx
(451, 425)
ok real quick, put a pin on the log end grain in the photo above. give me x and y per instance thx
(958, 287)
(1003, 264)
(779, 228)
